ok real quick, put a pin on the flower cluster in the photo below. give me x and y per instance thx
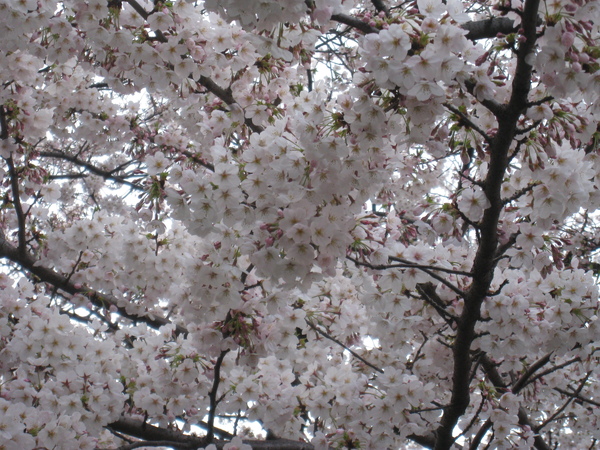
(355, 223)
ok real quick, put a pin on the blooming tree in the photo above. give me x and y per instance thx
(344, 223)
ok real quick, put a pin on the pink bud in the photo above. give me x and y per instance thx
(570, 8)
(567, 39)
(569, 27)
(479, 61)
(587, 24)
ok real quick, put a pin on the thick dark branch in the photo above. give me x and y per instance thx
(512, 239)
(106, 174)
(484, 262)
(493, 106)
(14, 183)
(142, 12)
(553, 369)
(141, 430)
(488, 28)
(480, 435)
(138, 8)
(476, 30)
(62, 283)
(548, 98)
(522, 80)
(380, 6)
(354, 23)
(141, 444)
(227, 96)
(3, 123)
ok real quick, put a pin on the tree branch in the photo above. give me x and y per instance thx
(480, 435)
(141, 430)
(538, 442)
(3, 123)
(14, 183)
(354, 23)
(522, 381)
(214, 401)
(579, 397)
(345, 347)
(469, 122)
(407, 263)
(521, 192)
(476, 30)
(484, 262)
(427, 292)
(488, 28)
(556, 413)
(106, 174)
(492, 373)
(380, 6)
(435, 276)
(553, 369)
(61, 282)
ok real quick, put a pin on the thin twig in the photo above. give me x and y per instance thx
(430, 267)
(106, 174)
(405, 266)
(345, 347)
(521, 192)
(469, 122)
(564, 406)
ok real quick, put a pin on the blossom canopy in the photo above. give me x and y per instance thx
(286, 224)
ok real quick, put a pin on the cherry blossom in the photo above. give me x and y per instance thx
(299, 224)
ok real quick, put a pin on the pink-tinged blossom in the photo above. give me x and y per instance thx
(431, 8)
(157, 163)
(540, 112)
(214, 209)
(473, 202)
